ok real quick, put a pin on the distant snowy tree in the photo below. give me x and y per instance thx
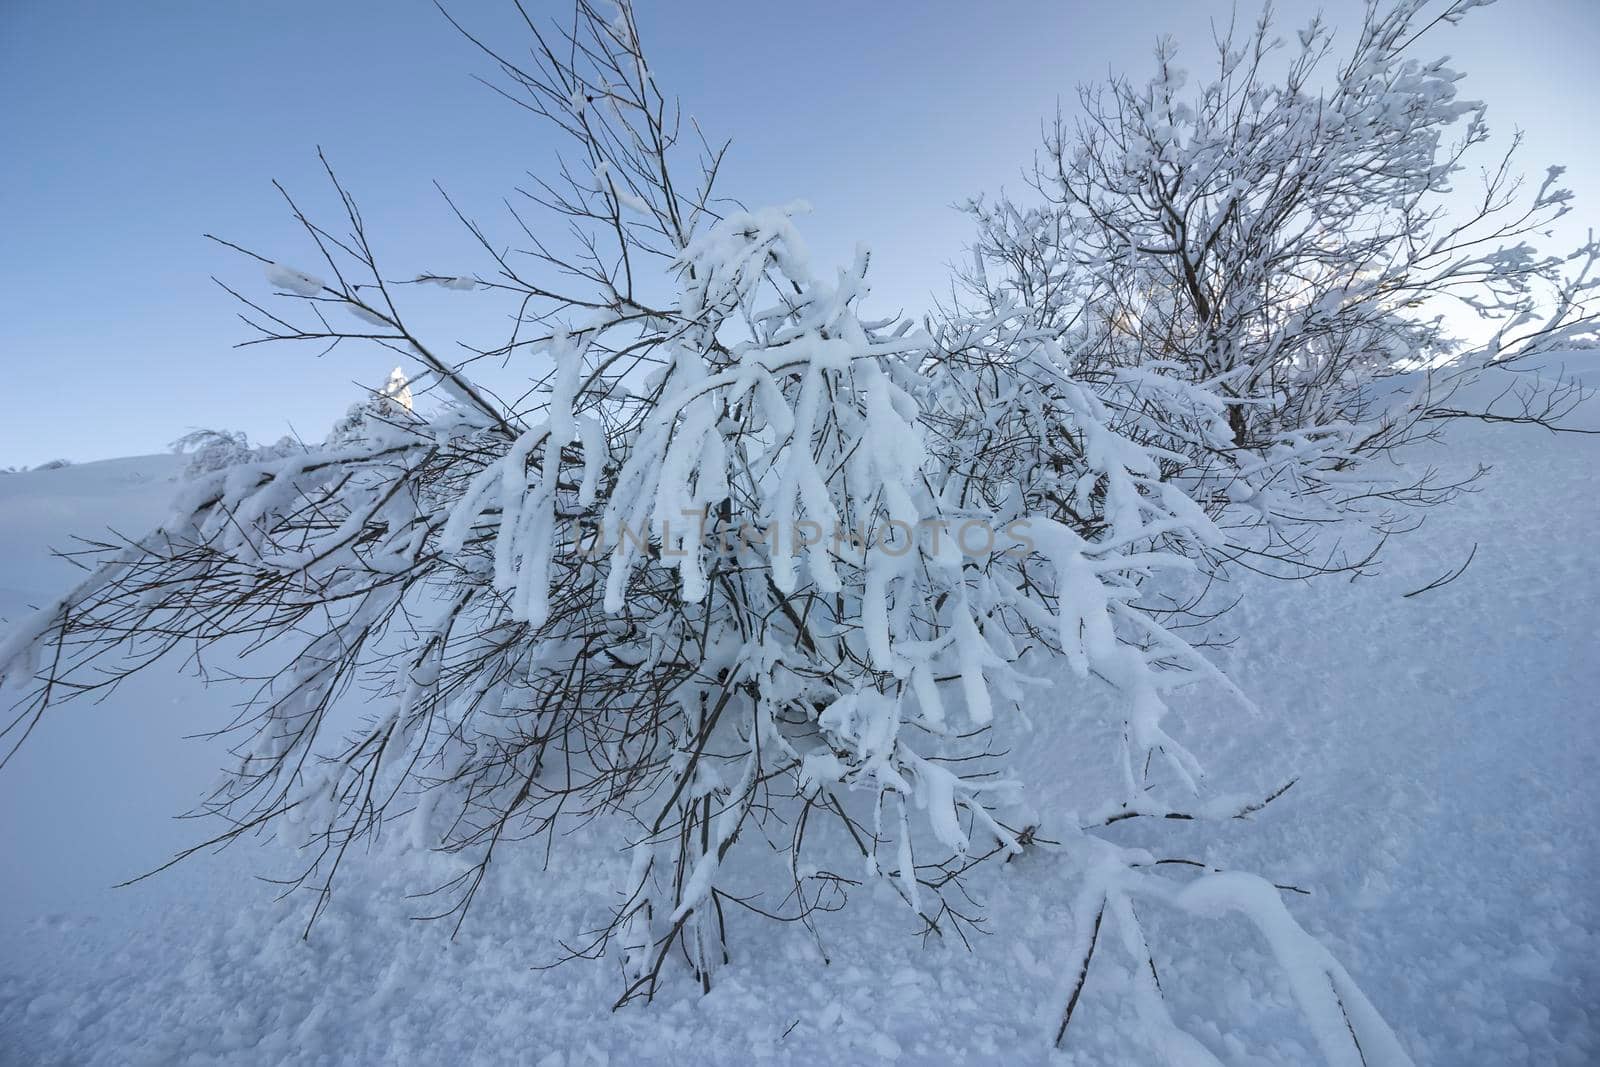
(398, 389)
(754, 578)
(1284, 235)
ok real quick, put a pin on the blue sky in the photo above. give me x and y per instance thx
(129, 130)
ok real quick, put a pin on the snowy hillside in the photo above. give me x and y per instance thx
(1444, 823)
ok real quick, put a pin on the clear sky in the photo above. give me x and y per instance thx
(129, 129)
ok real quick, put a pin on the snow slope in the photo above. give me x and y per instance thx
(1446, 821)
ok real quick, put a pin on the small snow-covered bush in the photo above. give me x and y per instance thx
(754, 576)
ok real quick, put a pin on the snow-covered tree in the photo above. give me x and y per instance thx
(753, 578)
(1290, 234)
(398, 389)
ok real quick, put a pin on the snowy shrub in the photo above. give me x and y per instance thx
(752, 577)
(215, 450)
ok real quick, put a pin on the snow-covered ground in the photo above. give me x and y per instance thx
(1446, 822)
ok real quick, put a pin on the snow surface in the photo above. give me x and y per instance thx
(1445, 822)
